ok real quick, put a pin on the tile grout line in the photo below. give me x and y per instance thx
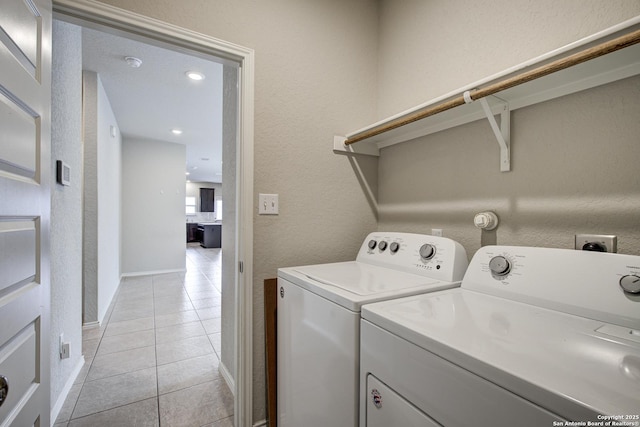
(155, 350)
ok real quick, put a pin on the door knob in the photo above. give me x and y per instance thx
(4, 389)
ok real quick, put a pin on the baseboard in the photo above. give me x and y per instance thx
(148, 273)
(226, 375)
(90, 325)
(55, 409)
(262, 423)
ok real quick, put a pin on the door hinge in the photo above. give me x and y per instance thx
(241, 266)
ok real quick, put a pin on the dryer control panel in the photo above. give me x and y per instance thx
(601, 286)
(432, 256)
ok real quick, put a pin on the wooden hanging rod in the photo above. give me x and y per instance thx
(544, 70)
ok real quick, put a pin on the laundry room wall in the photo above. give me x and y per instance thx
(573, 158)
(315, 77)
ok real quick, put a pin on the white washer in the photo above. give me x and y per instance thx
(319, 319)
(533, 337)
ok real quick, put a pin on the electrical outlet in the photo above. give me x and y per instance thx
(64, 351)
(64, 348)
(596, 242)
(436, 232)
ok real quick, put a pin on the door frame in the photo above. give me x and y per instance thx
(91, 12)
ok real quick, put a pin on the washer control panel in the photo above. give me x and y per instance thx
(432, 256)
(598, 285)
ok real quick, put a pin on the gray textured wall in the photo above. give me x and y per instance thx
(66, 205)
(429, 48)
(572, 158)
(90, 197)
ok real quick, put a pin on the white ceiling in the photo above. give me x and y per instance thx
(151, 100)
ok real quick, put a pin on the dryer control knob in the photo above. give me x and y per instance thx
(500, 266)
(393, 247)
(630, 283)
(382, 245)
(427, 251)
(372, 244)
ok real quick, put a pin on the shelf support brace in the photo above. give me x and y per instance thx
(339, 147)
(502, 132)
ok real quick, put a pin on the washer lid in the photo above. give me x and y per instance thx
(354, 283)
(557, 360)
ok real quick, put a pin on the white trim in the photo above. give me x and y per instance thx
(260, 423)
(55, 409)
(244, 308)
(91, 12)
(148, 273)
(90, 325)
(228, 378)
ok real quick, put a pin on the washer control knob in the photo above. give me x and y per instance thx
(382, 246)
(500, 266)
(630, 283)
(394, 247)
(427, 251)
(372, 244)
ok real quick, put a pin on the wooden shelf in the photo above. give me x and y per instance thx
(607, 68)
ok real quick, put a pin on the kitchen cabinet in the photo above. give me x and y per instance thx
(192, 232)
(210, 235)
(207, 200)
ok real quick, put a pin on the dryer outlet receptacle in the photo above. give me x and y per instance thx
(596, 242)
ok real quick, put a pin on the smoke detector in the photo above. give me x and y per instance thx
(133, 62)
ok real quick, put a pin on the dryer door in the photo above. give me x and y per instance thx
(387, 408)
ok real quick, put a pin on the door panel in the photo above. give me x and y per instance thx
(18, 138)
(18, 358)
(20, 24)
(25, 103)
(18, 243)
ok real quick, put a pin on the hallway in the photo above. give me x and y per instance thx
(154, 361)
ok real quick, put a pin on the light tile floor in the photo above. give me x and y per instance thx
(154, 361)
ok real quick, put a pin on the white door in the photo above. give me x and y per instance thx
(25, 103)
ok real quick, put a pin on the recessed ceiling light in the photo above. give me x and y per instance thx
(133, 62)
(176, 131)
(194, 75)
(187, 173)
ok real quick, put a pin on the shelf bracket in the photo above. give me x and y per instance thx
(502, 132)
(339, 147)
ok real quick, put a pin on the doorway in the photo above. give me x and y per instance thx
(114, 20)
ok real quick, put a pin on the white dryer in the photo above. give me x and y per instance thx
(319, 319)
(533, 337)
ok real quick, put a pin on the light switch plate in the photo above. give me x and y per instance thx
(267, 204)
